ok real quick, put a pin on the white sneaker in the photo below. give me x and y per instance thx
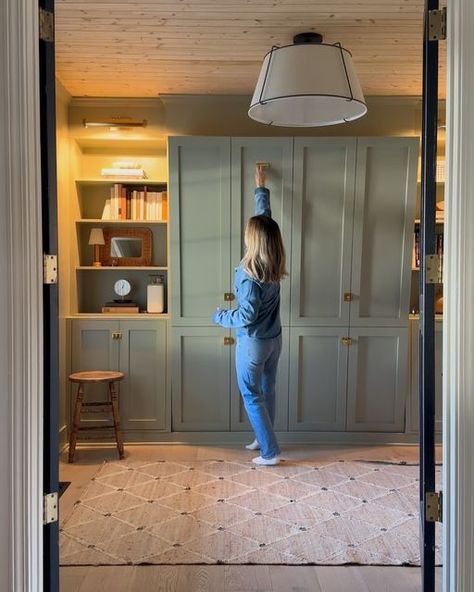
(267, 462)
(253, 445)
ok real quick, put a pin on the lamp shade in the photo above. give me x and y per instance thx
(307, 84)
(96, 237)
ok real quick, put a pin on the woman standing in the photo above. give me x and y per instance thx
(257, 321)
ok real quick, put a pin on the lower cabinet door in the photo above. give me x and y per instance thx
(144, 403)
(93, 347)
(318, 379)
(239, 420)
(200, 379)
(377, 383)
(413, 411)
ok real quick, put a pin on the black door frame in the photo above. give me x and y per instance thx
(47, 88)
(427, 297)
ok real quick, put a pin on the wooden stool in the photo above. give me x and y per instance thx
(110, 378)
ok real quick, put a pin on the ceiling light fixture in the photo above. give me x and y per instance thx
(307, 84)
(115, 123)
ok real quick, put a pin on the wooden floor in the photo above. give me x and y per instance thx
(229, 578)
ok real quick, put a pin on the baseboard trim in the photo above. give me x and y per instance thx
(231, 438)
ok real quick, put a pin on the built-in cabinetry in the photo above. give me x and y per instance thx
(345, 305)
(413, 411)
(139, 349)
(95, 284)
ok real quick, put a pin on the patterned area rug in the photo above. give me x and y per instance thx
(207, 512)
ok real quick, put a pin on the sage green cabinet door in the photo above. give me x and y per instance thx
(323, 194)
(239, 420)
(413, 411)
(383, 231)
(199, 200)
(93, 348)
(200, 379)
(278, 152)
(318, 377)
(143, 360)
(377, 384)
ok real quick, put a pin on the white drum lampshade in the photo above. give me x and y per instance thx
(307, 84)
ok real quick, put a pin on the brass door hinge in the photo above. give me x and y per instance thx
(432, 269)
(346, 340)
(434, 506)
(50, 508)
(46, 25)
(229, 341)
(437, 24)
(50, 269)
(228, 297)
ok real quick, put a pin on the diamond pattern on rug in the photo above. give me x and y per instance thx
(206, 512)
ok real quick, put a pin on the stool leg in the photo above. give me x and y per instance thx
(76, 421)
(116, 416)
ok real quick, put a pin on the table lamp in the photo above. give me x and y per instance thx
(96, 238)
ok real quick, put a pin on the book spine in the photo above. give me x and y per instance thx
(123, 204)
(164, 206)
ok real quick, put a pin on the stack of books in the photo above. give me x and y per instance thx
(126, 203)
(121, 307)
(125, 169)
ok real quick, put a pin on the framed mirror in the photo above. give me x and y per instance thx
(126, 247)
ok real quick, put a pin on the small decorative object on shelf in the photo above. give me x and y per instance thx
(124, 169)
(127, 247)
(155, 296)
(96, 238)
(121, 305)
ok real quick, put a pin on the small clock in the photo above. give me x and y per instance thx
(122, 288)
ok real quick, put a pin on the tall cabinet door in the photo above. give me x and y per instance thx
(377, 382)
(239, 420)
(143, 359)
(93, 347)
(323, 194)
(318, 379)
(200, 389)
(278, 152)
(384, 219)
(200, 227)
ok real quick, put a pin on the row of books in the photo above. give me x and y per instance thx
(416, 257)
(126, 203)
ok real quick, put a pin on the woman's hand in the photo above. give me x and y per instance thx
(260, 176)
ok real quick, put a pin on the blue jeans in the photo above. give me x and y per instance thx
(256, 363)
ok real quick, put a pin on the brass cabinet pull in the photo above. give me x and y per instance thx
(229, 341)
(116, 335)
(228, 297)
(346, 340)
(347, 296)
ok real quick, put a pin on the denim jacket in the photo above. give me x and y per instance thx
(258, 311)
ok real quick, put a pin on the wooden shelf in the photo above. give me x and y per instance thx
(120, 268)
(118, 222)
(102, 315)
(122, 181)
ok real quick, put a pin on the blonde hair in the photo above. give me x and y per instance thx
(265, 258)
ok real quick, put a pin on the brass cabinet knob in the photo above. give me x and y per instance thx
(229, 341)
(347, 296)
(346, 340)
(228, 297)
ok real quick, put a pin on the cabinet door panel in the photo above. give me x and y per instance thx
(245, 153)
(413, 416)
(93, 348)
(200, 227)
(383, 230)
(200, 379)
(318, 374)
(239, 420)
(324, 172)
(143, 359)
(377, 379)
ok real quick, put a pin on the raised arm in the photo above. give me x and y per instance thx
(262, 194)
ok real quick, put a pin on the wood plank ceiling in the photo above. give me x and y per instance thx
(127, 48)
